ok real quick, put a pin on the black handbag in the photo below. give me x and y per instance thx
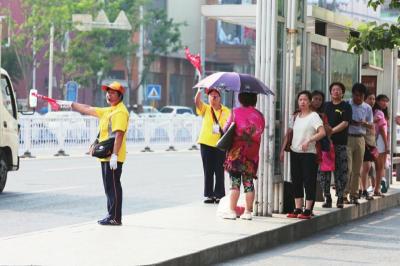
(102, 149)
(225, 142)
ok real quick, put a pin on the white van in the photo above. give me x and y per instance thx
(9, 131)
(9, 128)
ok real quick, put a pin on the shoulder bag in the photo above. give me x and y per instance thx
(225, 142)
(289, 137)
(103, 149)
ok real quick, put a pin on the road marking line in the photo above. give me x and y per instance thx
(25, 193)
(70, 168)
(52, 189)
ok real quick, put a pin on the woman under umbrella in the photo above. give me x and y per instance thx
(214, 117)
(242, 159)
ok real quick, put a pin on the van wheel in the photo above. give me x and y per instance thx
(3, 173)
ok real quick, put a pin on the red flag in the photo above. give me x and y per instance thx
(195, 60)
(54, 105)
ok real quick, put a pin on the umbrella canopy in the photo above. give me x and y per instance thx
(232, 81)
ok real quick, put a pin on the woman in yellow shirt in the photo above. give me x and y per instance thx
(214, 116)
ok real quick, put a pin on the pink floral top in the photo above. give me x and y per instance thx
(243, 156)
(380, 121)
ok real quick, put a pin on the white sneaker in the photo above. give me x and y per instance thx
(246, 216)
(231, 215)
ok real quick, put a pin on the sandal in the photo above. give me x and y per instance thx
(295, 213)
(378, 194)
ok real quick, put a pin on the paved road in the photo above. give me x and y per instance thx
(374, 240)
(47, 193)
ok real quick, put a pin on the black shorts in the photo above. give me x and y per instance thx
(367, 155)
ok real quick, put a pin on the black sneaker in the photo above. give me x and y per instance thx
(339, 202)
(209, 200)
(109, 222)
(366, 195)
(103, 220)
(217, 200)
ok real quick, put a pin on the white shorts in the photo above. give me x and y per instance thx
(380, 145)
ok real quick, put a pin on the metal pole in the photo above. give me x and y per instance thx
(272, 189)
(260, 39)
(266, 80)
(34, 62)
(202, 46)
(51, 51)
(257, 74)
(140, 59)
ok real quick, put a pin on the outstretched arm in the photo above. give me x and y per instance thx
(84, 109)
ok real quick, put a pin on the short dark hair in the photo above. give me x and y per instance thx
(382, 97)
(247, 99)
(317, 92)
(304, 92)
(360, 88)
(339, 84)
(320, 93)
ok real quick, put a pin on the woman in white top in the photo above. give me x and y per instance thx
(307, 130)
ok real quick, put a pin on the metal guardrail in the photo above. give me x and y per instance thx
(60, 136)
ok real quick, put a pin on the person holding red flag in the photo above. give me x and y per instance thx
(116, 117)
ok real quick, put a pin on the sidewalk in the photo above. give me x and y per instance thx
(184, 235)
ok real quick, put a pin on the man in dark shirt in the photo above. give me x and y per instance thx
(339, 115)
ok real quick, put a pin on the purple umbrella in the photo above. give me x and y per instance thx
(232, 81)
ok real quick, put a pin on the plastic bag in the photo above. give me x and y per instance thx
(224, 205)
(328, 160)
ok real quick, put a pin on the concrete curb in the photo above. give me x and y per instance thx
(286, 234)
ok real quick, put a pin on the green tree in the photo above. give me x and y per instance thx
(372, 36)
(31, 37)
(10, 63)
(163, 37)
(95, 50)
(88, 56)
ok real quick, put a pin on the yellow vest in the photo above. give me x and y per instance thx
(207, 136)
(119, 117)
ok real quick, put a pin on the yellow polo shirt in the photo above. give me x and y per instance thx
(207, 136)
(119, 117)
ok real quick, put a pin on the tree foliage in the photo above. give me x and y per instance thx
(372, 36)
(163, 37)
(88, 56)
(10, 63)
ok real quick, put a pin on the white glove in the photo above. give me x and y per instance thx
(64, 105)
(113, 161)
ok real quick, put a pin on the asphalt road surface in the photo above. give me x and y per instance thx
(374, 240)
(48, 193)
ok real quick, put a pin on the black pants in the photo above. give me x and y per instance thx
(303, 169)
(113, 189)
(213, 160)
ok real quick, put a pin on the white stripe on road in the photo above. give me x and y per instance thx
(53, 189)
(71, 168)
(24, 193)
